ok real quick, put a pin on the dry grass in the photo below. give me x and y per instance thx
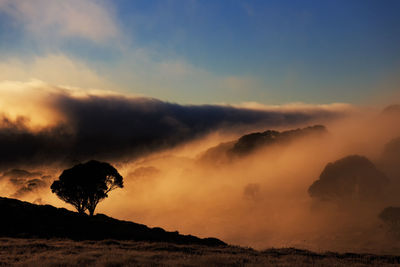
(53, 252)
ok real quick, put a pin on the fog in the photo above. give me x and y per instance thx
(259, 199)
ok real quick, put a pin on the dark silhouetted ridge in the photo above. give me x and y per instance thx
(391, 214)
(354, 177)
(391, 218)
(27, 220)
(249, 143)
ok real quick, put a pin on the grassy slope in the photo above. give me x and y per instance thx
(26, 220)
(50, 231)
(63, 252)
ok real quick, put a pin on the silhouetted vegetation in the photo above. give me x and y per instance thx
(23, 219)
(85, 185)
(391, 216)
(352, 177)
(251, 142)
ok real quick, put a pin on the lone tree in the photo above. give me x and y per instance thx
(85, 185)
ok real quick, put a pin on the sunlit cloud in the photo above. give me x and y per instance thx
(340, 107)
(27, 104)
(138, 73)
(56, 69)
(89, 19)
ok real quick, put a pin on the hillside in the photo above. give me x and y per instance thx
(26, 220)
(251, 142)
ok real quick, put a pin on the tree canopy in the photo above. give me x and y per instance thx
(352, 177)
(85, 185)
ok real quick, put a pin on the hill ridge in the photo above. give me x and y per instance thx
(28, 220)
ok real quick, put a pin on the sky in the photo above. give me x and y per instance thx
(207, 52)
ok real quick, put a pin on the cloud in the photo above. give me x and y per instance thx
(55, 69)
(298, 106)
(25, 182)
(151, 73)
(91, 20)
(29, 186)
(139, 72)
(84, 125)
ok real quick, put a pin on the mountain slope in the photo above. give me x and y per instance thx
(249, 143)
(23, 219)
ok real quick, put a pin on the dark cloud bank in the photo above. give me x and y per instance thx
(117, 128)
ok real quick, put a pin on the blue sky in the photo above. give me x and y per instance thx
(203, 52)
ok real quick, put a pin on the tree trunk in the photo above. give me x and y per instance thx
(81, 211)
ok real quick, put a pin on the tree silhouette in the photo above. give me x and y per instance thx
(85, 185)
(352, 177)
